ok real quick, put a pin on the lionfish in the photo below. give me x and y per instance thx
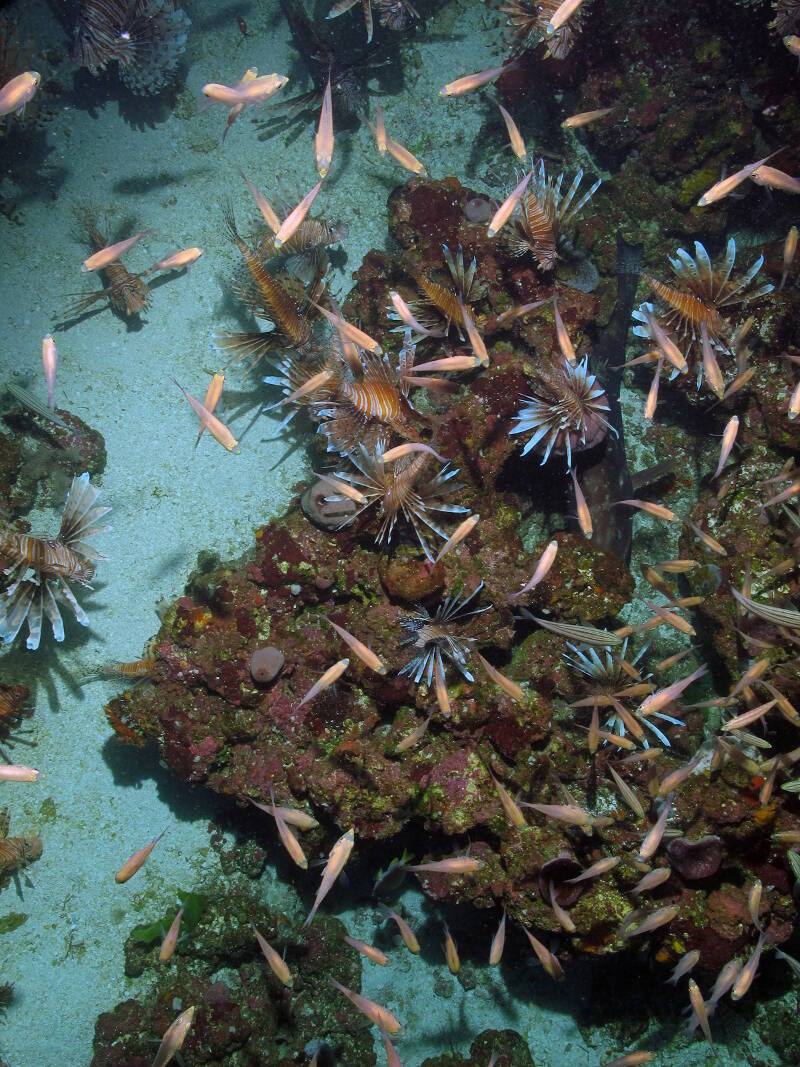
(145, 37)
(541, 225)
(266, 297)
(361, 399)
(126, 293)
(403, 489)
(437, 638)
(568, 416)
(787, 17)
(698, 300)
(609, 677)
(55, 562)
(528, 20)
(15, 852)
(440, 302)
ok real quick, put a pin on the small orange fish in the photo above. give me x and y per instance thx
(392, 1059)
(666, 344)
(722, 188)
(652, 880)
(185, 258)
(707, 539)
(711, 369)
(288, 840)
(405, 158)
(352, 333)
(264, 206)
(508, 207)
(631, 1059)
(512, 810)
(603, 866)
(380, 130)
(658, 510)
(564, 343)
(218, 430)
(728, 440)
(406, 316)
(108, 254)
(333, 674)
(545, 957)
(369, 951)
(775, 179)
(416, 735)
(251, 89)
(323, 142)
(453, 865)
(654, 835)
(792, 42)
(562, 14)
(366, 655)
(18, 92)
(656, 701)
(585, 117)
(173, 1039)
(794, 403)
(276, 962)
(676, 778)
(454, 363)
(514, 136)
(509, 687)
(407, 934)
(475, 339)
(171, 938)
(407, 449)
(652, 396)
(568, 813)
(582, 508)
(292, 221)
(337, 858)
(789, 250)
(498, 943)
(747, 718)
(211, 399)
(653, 921)
(463, 530)
(686, 963)
(471, 82)
(15, 772)
(377, 1015)
(546, 561)
(451, 952)
(132, 865)
(699, 1005)
(343, 488)
(50, 364)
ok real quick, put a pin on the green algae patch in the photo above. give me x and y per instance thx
(12, 921)
(194, 904)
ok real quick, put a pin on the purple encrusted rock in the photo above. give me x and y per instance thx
(266, 664)
(696, 860)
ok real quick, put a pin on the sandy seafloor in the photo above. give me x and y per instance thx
(98, 801)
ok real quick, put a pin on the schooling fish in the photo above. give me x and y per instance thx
(406, 160)
(653, 837)
(564, 343)
(789, 250)
(512, 810)
(18, 92)
(326, 680)
(323, 142)
(514, 136)
(366, 655)
(722, 188)
(288, 840)
(508, 687)
(546, 561)
(660, 699)
(653, 921)
(471, 82)
(132, 865)
(463, 530)
(15, 772)
(337, 858)
(775, 179)
(728, 441)
(107, 255)
(585, 117)
(451, 952)
(407, 934)
(498, 943)
(685, 964)
(562, 14)
(453, 865)
(748, 972)
(377, 1015)
(369, 951)
(250, 90)
(699, 1005)
(416, 735)
(276, 962)
(292, 221)
(545, 957)
(167, 949)
(178, 260)
(50, 364)
(508, 207)
(211, 399)
(173, 1039)
(218, 430)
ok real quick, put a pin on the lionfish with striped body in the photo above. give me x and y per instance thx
(15, 852)
(54, 563)
(542, 223)
(145, 37)
(528, 20)
(270, 298)
(363, 399)
(126, 293)
(440, 637)
(700, 298)
(568, 416)
(438, 307)
(609, 678)
(404, 489)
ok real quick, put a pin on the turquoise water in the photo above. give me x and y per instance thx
(156, 162)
